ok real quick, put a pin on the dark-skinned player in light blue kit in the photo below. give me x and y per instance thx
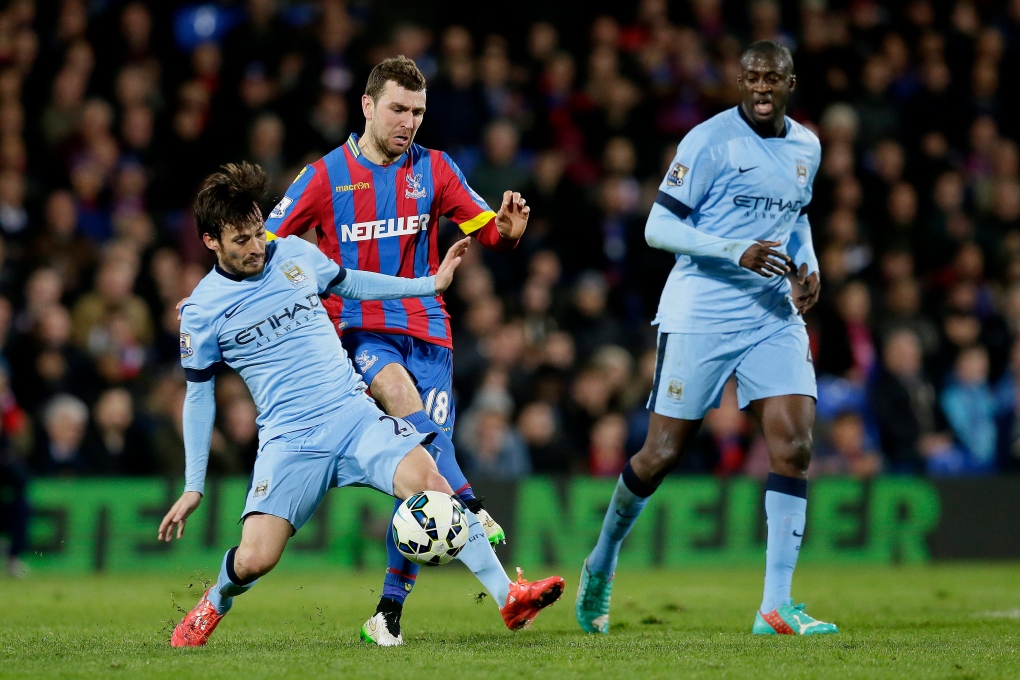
(733, 208)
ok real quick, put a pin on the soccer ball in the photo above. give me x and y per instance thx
(430, 528)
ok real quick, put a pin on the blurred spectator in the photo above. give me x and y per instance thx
(548, 451)
(909, 420)
(117, 443)
(847, 451)
(490, 447)
(849, 348)
(501, 168)
(970, 409)
(607, 454)
(59, 449)
(45, 363)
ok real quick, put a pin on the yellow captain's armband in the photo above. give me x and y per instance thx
(476, 223)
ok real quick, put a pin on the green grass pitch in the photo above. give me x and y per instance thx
(956, 621)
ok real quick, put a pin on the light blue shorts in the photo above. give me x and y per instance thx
(691, 369)
(361, 446)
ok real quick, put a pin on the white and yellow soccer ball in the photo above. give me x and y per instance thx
(430, 528)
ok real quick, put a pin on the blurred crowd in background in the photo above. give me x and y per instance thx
(112, 112)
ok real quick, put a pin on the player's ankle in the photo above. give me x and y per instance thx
(474, 504)
(389, 605)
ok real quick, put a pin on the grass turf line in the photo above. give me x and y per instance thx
(957, 621)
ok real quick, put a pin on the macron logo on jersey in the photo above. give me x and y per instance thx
(364, 231)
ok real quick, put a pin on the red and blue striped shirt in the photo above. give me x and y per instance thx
(383, 219)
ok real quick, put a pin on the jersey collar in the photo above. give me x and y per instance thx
(355, 148)
(743, 116)
(270, 250)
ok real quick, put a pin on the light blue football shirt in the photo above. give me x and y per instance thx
(728, 182)
(273, 330)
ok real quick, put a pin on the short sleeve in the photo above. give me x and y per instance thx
(690, 175)
(327, 272)
(200, 347)
(458, 201)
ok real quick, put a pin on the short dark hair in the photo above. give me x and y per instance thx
(401, 70)
(229, 197)
(769, 48)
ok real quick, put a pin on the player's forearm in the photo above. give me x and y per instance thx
(490, 237)
(802, 248)
(666, 231)
(199, 416)
(362, 285)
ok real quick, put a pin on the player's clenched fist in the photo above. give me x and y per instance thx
(512, 218)
(764, 261)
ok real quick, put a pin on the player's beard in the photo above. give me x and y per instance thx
(244, 266)
(383, 144)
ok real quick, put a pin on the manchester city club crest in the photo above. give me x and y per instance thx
(414, 188)
(186, 350)
(802, 172)
(293, 273)
(675, 177)
(261, 489)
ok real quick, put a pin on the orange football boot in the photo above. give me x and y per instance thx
(526, 600)
(197, 625)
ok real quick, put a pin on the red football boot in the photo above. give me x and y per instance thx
(527, 599)
(197, 625)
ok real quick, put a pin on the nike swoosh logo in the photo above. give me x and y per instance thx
(743, 170)
(800, 535)
(233, 310)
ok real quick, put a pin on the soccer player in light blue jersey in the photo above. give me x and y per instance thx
(259, 312)
(733, 209)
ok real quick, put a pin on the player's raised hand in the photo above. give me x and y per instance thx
(764, 261)
(178, 515)
(454, 256)
(807, 290)
(512, 218)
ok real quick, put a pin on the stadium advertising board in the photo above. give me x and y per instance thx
(110, 525)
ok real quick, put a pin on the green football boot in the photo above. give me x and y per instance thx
(592, 606)
(790, 619)
(493, 531)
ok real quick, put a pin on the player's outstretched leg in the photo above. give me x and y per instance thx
(786, 422)
(519, 602)
(596, 585)
(262, 541)
(383, 628)
(446, 461)
(196, 627)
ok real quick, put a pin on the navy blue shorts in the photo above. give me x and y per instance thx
(430, 366)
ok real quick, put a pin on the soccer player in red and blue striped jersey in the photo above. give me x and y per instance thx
(374, 204)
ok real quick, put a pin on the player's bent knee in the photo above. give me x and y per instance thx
(418, 472)
(393, 388)
(653, 463)
(436, 482)
(794, 454)
(254, 563)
